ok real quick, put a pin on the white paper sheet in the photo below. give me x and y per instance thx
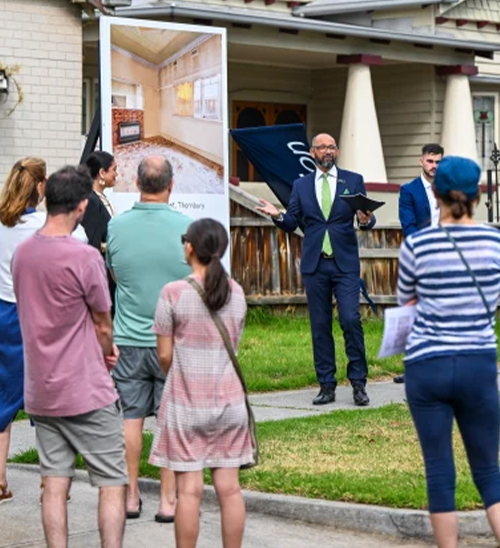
(398, 323)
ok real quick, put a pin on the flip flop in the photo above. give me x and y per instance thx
(164, 518)
(134, 514)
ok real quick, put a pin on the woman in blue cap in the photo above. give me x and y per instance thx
(452, 273)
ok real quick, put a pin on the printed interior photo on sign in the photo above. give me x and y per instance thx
(166, 96)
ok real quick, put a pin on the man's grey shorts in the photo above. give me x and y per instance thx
(139, 381)
(97, 436)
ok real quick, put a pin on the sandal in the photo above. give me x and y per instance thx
(164, 518)
(6, 494)
(134, 514)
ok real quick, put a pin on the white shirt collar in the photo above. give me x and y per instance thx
(425, 182)
(331, 173)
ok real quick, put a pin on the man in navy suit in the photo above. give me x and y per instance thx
(418, 206)
(330, 263)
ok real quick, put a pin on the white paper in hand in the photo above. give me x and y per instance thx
(398, 323)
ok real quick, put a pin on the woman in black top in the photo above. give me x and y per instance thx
(102, 167)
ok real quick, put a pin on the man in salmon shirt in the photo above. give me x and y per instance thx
(64, 312)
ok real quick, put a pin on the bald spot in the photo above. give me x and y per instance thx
(323, 139)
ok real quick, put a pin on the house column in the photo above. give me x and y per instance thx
(458, 136)
(360, 142)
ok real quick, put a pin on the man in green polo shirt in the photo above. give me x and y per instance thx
(144, 252)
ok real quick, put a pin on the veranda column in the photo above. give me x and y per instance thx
(360, 141)
(458, 136)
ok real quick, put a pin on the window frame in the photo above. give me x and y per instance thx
(496, 98)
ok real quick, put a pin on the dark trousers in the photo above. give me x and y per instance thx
(464, 387)
(320, 285)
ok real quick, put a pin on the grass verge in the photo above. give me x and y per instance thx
(276, 352)
(21, 415)
(370, 456)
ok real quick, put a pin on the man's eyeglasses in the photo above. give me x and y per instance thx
(324, 148)
(184, 239)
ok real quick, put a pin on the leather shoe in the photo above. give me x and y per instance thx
(399, 379)
(360, 396)
(326, 395)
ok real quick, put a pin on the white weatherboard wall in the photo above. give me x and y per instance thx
(43, 37)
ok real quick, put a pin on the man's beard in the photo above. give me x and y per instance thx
(325, 163)
(429, 175)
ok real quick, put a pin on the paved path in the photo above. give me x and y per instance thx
(267, 406)
(21, 526)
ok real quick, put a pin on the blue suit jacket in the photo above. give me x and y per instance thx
(414, 208)
(304, 205)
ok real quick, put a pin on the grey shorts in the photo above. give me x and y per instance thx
(139, 381)
(97, 436)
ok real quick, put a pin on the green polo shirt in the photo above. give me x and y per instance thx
(145, 252)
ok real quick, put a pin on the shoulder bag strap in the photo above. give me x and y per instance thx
(222, 330)
(469, 270)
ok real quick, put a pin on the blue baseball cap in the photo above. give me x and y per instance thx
(457, 173)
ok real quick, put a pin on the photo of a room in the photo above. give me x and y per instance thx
(166, 95)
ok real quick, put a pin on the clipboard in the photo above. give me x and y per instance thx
(361, 202)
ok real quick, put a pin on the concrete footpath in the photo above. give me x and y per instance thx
(20, 523)
(274, 520)
(266, 406)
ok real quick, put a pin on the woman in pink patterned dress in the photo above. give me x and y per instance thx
(203, 421)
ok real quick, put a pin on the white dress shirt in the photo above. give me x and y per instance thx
(332, 181)
(432, 201)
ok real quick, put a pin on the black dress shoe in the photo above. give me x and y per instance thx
(399, 379)
(360, 396)
(326, 395)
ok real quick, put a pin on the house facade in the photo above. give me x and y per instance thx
(384, 77)
(46, 64)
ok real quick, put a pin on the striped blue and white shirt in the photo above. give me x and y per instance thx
(451, 316)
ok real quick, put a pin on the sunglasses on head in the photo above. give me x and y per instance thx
(184, 239)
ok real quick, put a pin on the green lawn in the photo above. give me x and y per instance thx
(276, 352)
(21, 415)
(367, 456)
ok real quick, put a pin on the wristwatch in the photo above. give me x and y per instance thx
(279, 218)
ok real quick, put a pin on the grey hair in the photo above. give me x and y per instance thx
(154, 175)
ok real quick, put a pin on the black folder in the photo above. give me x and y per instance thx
(361, 202)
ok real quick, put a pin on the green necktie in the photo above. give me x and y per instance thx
(326, 207)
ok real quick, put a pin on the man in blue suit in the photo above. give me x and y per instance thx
(330, 263)
(418, 206)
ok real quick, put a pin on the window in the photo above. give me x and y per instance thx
(486, 123)
(86, 106)
(207, 98)
(197, 100)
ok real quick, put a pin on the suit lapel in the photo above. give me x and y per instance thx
(342, 186)
(424, 198)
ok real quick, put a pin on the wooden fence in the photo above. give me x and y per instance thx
(266, 261)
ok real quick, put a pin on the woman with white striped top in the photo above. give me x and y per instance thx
(452, 273)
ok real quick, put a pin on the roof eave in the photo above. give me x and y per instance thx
(259, 17)
(318, 10)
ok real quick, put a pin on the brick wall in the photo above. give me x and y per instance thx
(125, 115)
(43, 37)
